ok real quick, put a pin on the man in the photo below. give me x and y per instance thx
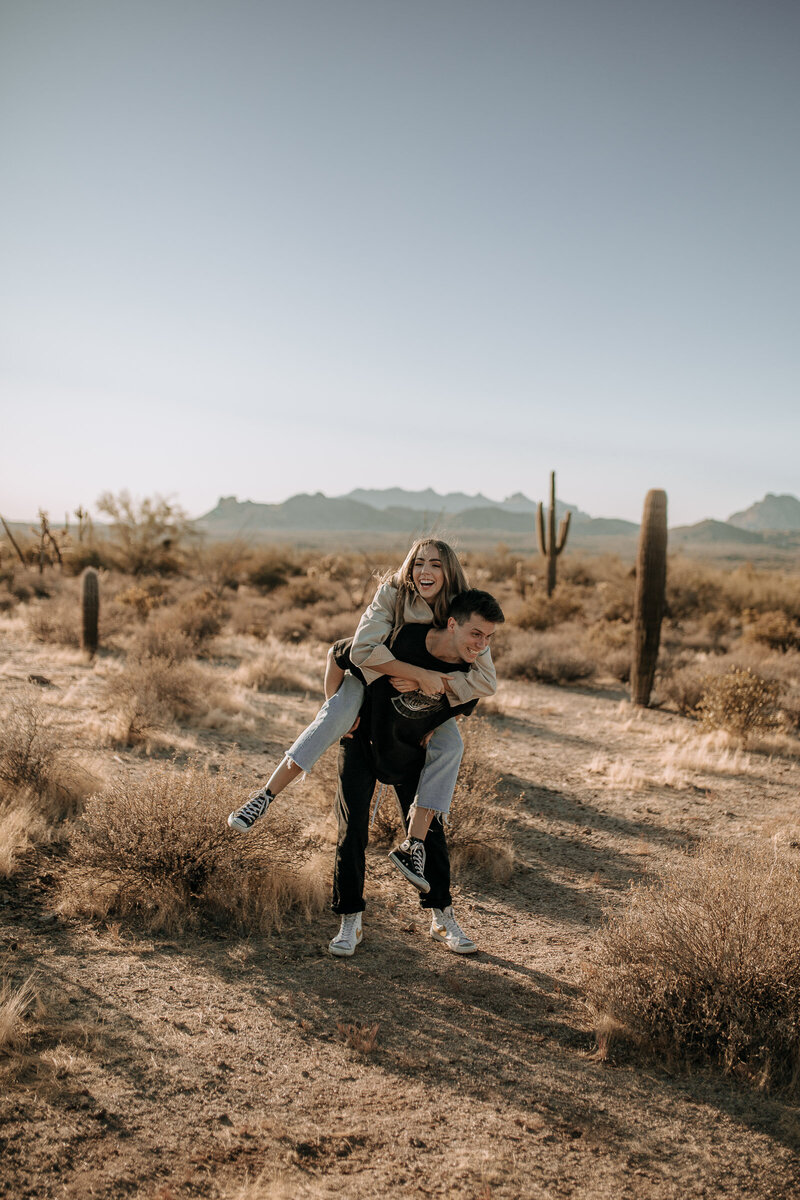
(388, 745)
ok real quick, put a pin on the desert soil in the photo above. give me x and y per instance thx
(222, 1066)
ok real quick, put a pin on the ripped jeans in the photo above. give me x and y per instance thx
(338, 715)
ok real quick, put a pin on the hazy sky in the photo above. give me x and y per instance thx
(258, 248)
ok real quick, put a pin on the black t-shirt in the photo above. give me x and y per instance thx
(394, 723)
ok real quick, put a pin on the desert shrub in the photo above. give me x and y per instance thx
(152, 693)
(200, 616)
(302, 593)
(703, 965)
(251, 615)
(34, 770)
(271, 569)
(547, 658)
(15, 1003)
(147, 536)
(56, 620)
(684, 687)
(292, 626)
(477, 833)
(772, 629)
(542, 612)
(611, 648)
(739, 701)
(159, 849)
(278, 669)
(160, 638)
(142, 597)
(338, 625)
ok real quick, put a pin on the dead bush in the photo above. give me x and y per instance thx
(279, 669)
(703, 965)
(200, 616)
(339, 625)
(740, 702)
(56, 620)
(15, 1004)
(542, 612)
(477, 832)
(546, 658)
(142, 597)
(773, 629)
(159, 849)
(156, 692)
(684, 687)
(161, 638)
(293, 626)
(21, 825)
(303, 593)
(271, 569)
(34, 770)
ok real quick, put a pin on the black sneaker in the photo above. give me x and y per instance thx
(409, 857)
(245, 817)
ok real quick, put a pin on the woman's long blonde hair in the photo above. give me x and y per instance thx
(455, 581)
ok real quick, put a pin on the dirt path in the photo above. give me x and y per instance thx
(176, 1068)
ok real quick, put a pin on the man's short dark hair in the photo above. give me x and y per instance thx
(473, 602)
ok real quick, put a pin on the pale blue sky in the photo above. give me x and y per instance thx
(259, 248)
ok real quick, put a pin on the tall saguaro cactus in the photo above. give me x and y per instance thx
(90, 610)
(551, 548)
(650, 601)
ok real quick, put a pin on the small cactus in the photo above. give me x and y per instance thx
(650, 600)
(90, 610)
(552, 548)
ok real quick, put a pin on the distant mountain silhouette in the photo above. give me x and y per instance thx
(232, 517)
(773, 514)
(712, 531)
(452, 502)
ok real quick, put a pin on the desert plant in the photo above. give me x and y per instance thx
(159, 849)
(648, 611)
(90, 610)
(739, 701)
(33, 766)
(542, 612)
(154, 692)
(146, 536)
(773, 629)
(478, 828)
(551, 546)
(703, 965)
(549, 657)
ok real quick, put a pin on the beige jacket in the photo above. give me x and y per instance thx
(374, 628)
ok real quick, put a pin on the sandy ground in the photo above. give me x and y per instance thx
(221, 1066)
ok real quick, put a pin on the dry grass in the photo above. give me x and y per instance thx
(703, 965)
(363, 1038)
(153, 693)
(554, 656)
(478, 834)
(280, 668)
(160, 850)
(35, 773)
(15, 1004)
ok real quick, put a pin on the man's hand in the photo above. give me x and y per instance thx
(353, 728)
(402, 685)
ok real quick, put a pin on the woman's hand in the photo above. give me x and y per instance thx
(353, 728)
(402, 685)
(431, 682)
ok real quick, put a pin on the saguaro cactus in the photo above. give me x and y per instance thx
(650, 601)
(90, 610)
(551, 548)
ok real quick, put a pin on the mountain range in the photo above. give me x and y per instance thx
(396, 510)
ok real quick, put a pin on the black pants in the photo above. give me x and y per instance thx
(354, 793)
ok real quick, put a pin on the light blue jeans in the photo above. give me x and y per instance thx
(338, 715)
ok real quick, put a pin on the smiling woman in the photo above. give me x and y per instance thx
(420, 591)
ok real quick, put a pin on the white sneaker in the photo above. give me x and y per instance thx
(445, 928)
(244, 818)
(349, 936)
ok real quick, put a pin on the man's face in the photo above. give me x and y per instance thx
(472, 637)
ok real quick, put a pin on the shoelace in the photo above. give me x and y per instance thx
(418, 857)
(255, 806)
(347, 932)
(452, 925)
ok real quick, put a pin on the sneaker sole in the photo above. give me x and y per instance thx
(341, 952)
(470, 948)
(421, 884)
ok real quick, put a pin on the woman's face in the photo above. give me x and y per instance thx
(427, 573)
